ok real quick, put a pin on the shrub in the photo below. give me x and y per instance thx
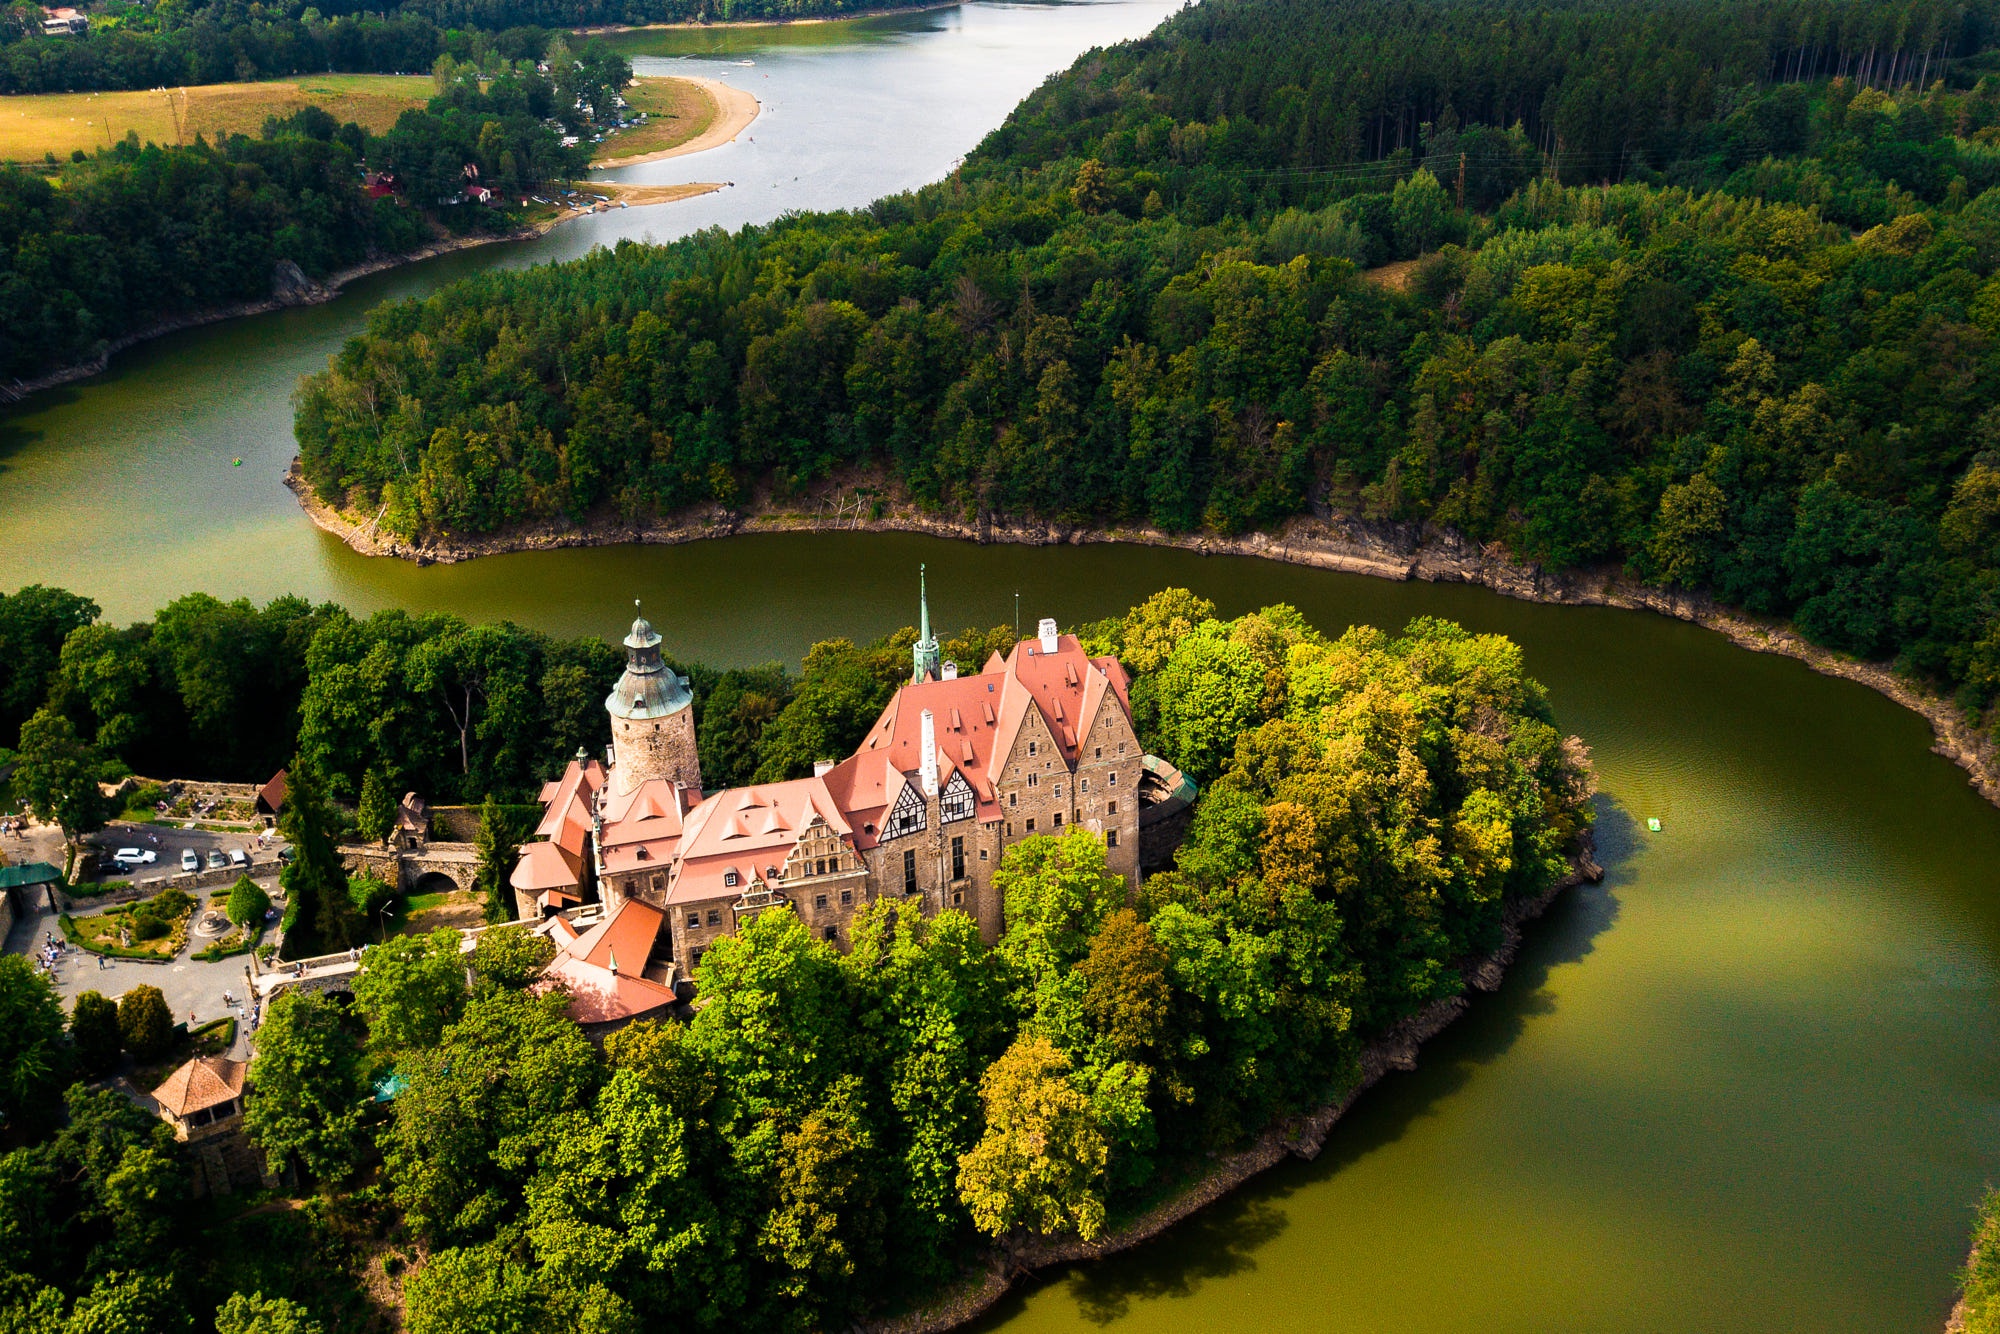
(247, 902)
(146, 925)
(144, 1023)
(93, 1028)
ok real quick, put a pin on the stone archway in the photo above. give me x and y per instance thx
(435, 882)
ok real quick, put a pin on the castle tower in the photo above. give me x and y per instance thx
(925, 651)
(652, 721)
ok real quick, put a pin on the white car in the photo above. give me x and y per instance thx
(135, 856)
(190, 860)
(237, 857)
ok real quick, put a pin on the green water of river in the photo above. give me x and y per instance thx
(1747, 1084)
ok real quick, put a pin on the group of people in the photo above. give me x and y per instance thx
(52, 951)
(17, 826)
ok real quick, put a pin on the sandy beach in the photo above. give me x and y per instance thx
(632, 196)
(734, 111)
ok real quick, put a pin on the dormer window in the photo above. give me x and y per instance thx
(730, 879)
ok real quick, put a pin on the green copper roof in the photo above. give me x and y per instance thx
(34, 873)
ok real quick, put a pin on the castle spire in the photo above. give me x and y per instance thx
(925, 654)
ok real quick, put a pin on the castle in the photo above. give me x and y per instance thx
(956, 770)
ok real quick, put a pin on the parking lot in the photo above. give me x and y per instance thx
(167, 842)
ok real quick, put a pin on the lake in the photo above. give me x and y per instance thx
(1746, 1084)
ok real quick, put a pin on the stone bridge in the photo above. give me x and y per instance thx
(424, 869)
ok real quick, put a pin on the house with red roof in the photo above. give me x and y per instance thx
(957, 769)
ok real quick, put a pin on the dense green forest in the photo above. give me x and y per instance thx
(833, 1135)
(231, 691)
(161, 44)
(1702, 291)
(137, 234)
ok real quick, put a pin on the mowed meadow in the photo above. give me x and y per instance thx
(35, 124)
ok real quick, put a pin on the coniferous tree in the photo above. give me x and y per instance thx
(318, 915)
(376, 817)
(496, 862)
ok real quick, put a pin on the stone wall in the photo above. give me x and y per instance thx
(6, 913)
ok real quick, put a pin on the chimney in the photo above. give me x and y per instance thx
(949, 671)
(821, 768)
(1048, 634)
(930, 755)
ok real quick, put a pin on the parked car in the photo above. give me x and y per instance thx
(190, 860)
(216, 861)
(237, 857)
(135, 856)
(116, 867)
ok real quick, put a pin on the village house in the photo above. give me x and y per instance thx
(956, 770)
(64, 22)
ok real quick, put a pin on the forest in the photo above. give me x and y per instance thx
(1700, 293)
(833, 1136)
(135, 234)
(139, 45)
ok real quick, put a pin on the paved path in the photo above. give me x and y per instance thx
(188, 984)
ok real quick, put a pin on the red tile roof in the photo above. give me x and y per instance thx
(544, 866)
(601, 970)
(975, 720)
(207, 1081)
(749, 830)
(566, 821)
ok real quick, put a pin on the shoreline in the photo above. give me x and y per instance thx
(295, 289)
(1341, 543)
(735, 111)
(610, 29)
(1300, 1137)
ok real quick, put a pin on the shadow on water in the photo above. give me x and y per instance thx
(1222, 1241)
(14, 436)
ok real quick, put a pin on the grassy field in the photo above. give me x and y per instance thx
(676, 111)
(38, 123)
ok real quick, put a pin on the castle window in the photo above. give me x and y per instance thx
(1113, 780)
(847, 896)
(957, 897)
(1097, 754)
(982, 851)
(1034, 780)
(694, 959)
(833, 934)
(1031, 750)
(1111, 838)
(819, 866)
(819, 900)
(1111, 808)
(1121, 748)
(1031, 824)
(1083, 785)
(958, 859)
(694, 919)
(1058, 820)
(1013, 799)
(910, 872)
(1059, 791)
(715, 917)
